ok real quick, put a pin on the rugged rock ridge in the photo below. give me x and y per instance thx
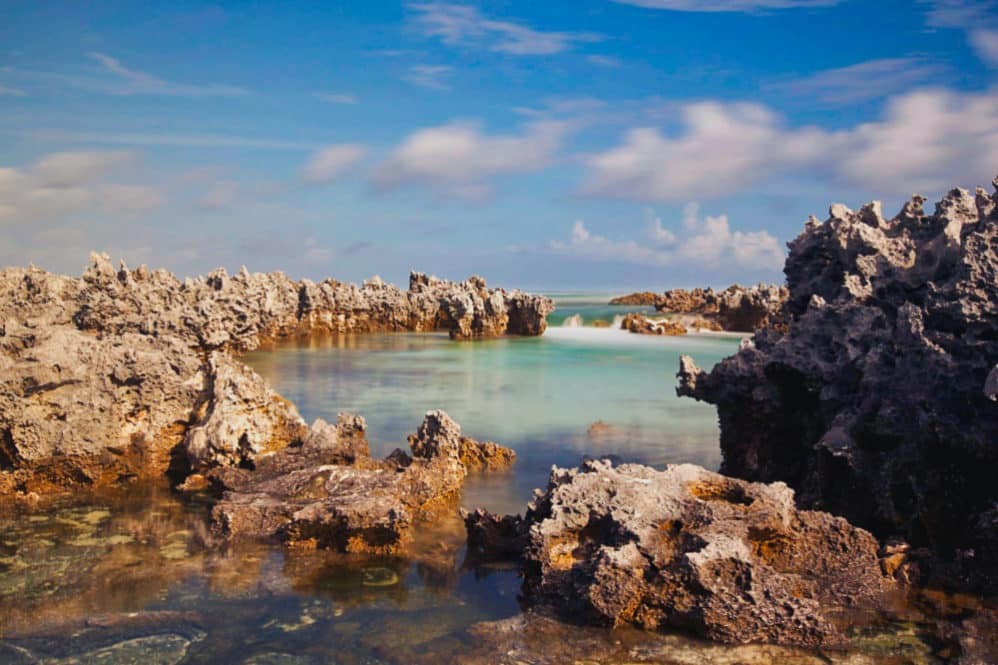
(736, 308)
(124, 373)
(878, 402)
(685, 548)
(328, 492)
(642, 325)
(240, 311)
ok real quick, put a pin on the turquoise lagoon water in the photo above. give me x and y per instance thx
(572, 393)
(132, 577)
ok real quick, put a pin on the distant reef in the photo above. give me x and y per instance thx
(123, 374)
(737, 308)
(875, 397)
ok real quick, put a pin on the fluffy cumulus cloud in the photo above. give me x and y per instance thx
(721, 148)
(459, 160)
(461, 25)
(61, 184)
(703, 241)
(728, 5)
(331, 162)
(925, 140)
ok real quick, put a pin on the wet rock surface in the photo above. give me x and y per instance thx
(877, 402)
(127, 373)
(329, 493)
(687, 549)
(642, 325)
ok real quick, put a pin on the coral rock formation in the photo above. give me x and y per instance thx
(645, 298)
(124, 373)
(328, 493)
(878, 402)
(736, 308)
(685, 548)
(636, 323)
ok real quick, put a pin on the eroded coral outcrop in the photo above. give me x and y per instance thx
(685, 548)
(642, 325)
(878, 402)
(329, 493)
(736, 308)
(124, 373)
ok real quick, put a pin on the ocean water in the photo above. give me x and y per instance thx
(131, 577)
(572, 393)
(590, 307)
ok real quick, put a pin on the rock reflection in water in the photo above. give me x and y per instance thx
(128, 579)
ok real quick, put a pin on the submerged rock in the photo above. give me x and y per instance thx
(314, 496)
(126, 373)
(878, 402)
(688, 549)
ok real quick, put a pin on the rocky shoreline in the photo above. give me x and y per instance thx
(124, 374)
(735, 309)
(876, 401)
(857, 430)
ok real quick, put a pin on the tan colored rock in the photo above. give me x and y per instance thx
(687, 549)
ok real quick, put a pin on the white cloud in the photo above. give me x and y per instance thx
(62, 184)
(926, 140)
(11, 92)
(957, 13)
(864, 81)
(133, 82)
(68, 169)
(463, 25)
(727, 5)
(336, 97)
(220, 195)
(459, 159)
(985, 42)
(604, 60)
(317, 253)
(977, 18)
(429, 76)
(723, 147)
(56, 135)
(706, 242)
(332, 162)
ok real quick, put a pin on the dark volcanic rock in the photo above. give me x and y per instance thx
(686, 548)
(329, 493)
(878, 403)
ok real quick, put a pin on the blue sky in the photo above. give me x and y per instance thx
(556, 145)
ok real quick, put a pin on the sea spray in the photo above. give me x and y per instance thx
(574, 321)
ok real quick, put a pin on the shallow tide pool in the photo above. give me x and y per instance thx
(130, 578)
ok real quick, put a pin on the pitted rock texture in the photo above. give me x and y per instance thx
(320, 495)
(736, 308)
(642, 325)
(645, 298)
(123, 373)
(878, 402)
(689, 549)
